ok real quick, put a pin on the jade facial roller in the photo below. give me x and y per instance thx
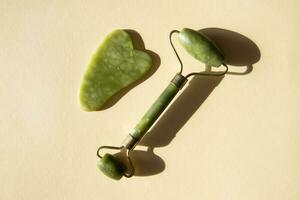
(201, 48)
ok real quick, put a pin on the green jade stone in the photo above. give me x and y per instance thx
(200, 47)
(114, 66)
(154, 111)
(111, 166)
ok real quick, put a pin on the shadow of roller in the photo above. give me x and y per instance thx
(146, 163)
(240, 52)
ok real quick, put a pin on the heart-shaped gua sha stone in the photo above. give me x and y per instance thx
(114, 65)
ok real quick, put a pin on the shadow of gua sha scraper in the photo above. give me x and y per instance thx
(115, 65)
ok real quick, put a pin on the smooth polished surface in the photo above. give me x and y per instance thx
(231, 138)
(158, 106)
(111, 166)
(201, 47)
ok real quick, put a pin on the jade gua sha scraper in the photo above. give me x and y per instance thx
(114, 65)
(195, 43)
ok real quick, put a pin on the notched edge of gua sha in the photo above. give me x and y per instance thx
(115, 65)
(201, 47)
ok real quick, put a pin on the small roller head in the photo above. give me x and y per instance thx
(112, 166)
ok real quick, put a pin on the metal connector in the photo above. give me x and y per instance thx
(129, 142)
(179, 80)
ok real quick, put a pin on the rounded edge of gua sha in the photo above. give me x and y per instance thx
(113, 66)
(201, 47)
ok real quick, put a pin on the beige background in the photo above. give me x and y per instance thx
(241, 143)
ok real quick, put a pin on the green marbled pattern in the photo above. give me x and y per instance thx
(201, 47)
(111, 166)
(114, 65)
(154, 111)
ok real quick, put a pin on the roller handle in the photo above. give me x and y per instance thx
(155, 111)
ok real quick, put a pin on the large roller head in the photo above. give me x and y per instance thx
(201, 47)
